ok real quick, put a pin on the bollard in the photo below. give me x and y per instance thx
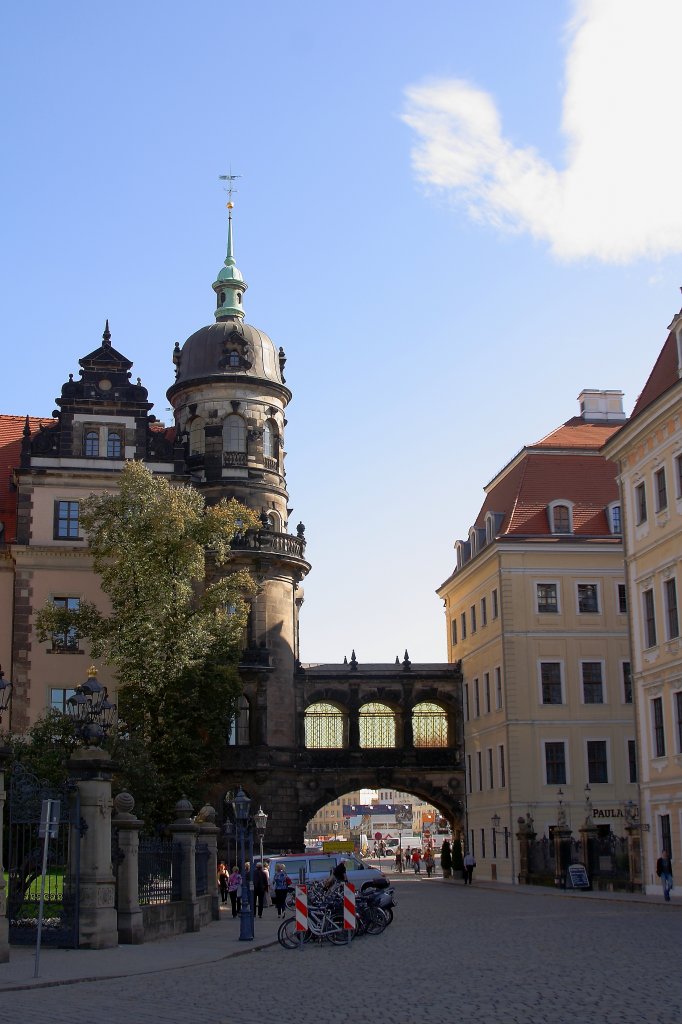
(349, 910)
(301, 912)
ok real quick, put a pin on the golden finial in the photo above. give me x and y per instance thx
(230, 205)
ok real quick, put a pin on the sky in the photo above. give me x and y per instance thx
(453, 218)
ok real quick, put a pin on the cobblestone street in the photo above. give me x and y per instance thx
(480, 954)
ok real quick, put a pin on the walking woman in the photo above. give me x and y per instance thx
(234, 890)
(281, 884)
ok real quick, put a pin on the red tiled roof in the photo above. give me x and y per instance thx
(564, 464)
(662, 377)
(576, 433)
(11, 432)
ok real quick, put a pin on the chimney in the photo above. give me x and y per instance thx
(601, 406)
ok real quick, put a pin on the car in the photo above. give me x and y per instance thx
(317, 866)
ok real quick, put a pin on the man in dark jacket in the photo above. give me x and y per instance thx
(664, 870)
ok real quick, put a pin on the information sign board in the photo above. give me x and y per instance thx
(577, 876)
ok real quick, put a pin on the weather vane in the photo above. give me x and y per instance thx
(230, 189)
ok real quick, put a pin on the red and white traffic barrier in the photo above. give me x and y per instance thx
(349, 906)
(301, 908)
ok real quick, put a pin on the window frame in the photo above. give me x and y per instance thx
(590, 775)
(502, 766)
(552, 515)
(542, 683)
(69, 519)
(559, 773)
(640, 503)
(495, 603)
(546, 608)
(582, 584)
(484, 612)
(91, 443)
(472, 617)
(631, 755)
(69, 603)
(660, 490)
(677, 708)
(649, 618)
(615, 518)
(622, 598)
(601, 683)
(486, 693)
(658, 745)
(499, 698)
(453, 631)
(671, 609)
(115, 434)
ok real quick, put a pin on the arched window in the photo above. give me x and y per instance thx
(239, 730)
(429, 725)
(114, 445)
(91, 444)
(233, 359)
(324, 726)
(234, 434)
(274, 522)
(560, 515)
(377, 726)
(197, 438)
(270, 440)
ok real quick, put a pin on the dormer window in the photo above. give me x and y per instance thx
(560, 516)
(472, 541)
(233, 359)
(615, 518)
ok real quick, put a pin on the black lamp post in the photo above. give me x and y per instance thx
(5, 693)
(260, 820)
(242, 805)
(91, 710)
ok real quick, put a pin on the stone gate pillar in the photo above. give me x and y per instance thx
(92, 770)
(130, 923)
(589, 848)
(184, 832)
(634, 857)
(525, 835)
(209, 832)
(4, 923)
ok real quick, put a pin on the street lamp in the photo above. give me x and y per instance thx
(260, 821)
(5, 692)
(91, 710)
(242, 806)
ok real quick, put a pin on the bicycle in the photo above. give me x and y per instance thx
(325, 924)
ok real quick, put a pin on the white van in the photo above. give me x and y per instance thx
(405, 841)
(319, 865)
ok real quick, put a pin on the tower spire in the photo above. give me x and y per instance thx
(229, 286)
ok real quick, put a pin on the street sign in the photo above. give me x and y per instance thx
(49, 819)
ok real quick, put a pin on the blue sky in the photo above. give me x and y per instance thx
(453, 217)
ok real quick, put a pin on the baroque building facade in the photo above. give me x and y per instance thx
(304, 735)
(648, 453)
(536, 612)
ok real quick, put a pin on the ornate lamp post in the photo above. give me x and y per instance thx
(242, 806)
(91, 710)
(5, 693)
(260, 821)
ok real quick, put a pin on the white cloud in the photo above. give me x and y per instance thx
(618, 196)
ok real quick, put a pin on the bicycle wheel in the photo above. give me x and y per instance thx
(339, 936)
(376, 920)
(287, 935)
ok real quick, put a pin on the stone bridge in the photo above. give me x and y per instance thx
(352, 726)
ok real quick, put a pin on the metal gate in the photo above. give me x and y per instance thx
(25, 861)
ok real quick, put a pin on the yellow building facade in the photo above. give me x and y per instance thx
(536, 611)
(648, 453)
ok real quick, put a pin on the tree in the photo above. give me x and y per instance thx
(176, 619)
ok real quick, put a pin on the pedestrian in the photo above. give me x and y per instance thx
(446, 859)
(399, 859)
(417, 862)
(223, 876)
(266, 868)
(234, 890)
(281, 883)
(260, 887)
(429, 862)
(664, 870)
(469, 865)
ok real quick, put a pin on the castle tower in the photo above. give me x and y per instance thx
(229, 399)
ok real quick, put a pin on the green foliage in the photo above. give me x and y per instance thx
(457, 856)
(46, 747)
(172, 632)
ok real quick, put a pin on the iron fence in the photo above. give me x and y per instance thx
(201, 868)
(159, 866)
